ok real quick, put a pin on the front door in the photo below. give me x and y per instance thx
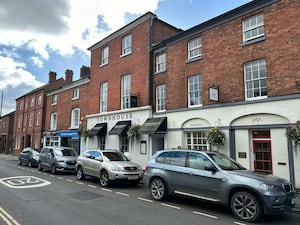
(262, 151)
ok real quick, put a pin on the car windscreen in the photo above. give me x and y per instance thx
(65, 152)
(115, 156)
(225, 162)
(35, 152)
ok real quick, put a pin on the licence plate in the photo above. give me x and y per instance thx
(133, 177)
(293, 202)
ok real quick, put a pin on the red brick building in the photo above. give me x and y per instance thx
(121, 80)
(66, 110)
(239, 72)
(30, 115)
(6, 132)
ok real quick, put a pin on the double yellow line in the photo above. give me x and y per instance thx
(6, 217)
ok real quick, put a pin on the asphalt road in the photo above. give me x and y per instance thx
(30, 197)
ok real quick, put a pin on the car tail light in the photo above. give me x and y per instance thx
(146, 168)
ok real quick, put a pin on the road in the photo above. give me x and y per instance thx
(31, 197)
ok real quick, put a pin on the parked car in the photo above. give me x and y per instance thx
(57, 159)
(108, 166)
(215, 177)
(29, 156)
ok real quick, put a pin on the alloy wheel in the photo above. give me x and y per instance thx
(158, 189)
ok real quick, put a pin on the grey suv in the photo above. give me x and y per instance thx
(217, 178)
(57, 159)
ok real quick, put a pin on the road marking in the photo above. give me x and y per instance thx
(238, 223)
(205, 214)
(121, 193)
(69, 180)
(92, 186)
(144, 199)
(171, 206)
(79, 183)
(105, 189)
(7, 218)
(24, 182)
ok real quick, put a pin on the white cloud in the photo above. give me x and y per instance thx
(37, 61)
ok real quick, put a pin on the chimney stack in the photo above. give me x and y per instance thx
(52, 76)
(84, 71)
(69, 76)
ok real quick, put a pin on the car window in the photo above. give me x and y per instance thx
(225, 162)
(115, 156)
(65, 152)
(97, 154)
(162, 157)
(35, 152)
(198, 161)
(177, 158)
(45, 151)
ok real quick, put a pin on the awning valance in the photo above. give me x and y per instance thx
(121, 127)
(154, 126)
(98, 129)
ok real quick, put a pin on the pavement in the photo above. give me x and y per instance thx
(296, 209)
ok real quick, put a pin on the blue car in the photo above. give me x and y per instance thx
(29, 156)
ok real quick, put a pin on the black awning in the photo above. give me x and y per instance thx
(154, 126)
(121, 127)
(98, 129)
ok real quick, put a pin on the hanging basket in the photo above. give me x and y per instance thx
(216, 138)
(294, 134)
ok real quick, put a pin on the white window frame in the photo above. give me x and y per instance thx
(75, 118)
(75, 93)
(195, 48)
(53, 121)
(54, 99)
(38, 118)
(126, 45)
(30, 119)
(254, 26)
(39, 100)
(104, 55)
(195, 91)
(255, 76)
(161, 98)
(125, 91)
(161, 63)
(32, 102)
(197, 140)
(103, 96)
(19, 122)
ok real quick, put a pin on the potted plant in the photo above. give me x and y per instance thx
(133, 132)
(216, 138)
(294, 133)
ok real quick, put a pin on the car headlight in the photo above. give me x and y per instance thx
(116, 168)
(35, 157)
(270, 188)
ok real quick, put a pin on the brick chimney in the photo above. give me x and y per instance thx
(69, 76)
(52, 76)
(84, 71)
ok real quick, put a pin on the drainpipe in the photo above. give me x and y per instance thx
(150, 99)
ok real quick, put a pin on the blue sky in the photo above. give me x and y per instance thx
(53, 35)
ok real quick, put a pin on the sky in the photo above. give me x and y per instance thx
(38, 36)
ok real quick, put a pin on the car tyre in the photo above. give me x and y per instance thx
(158, 189)
(40, 166)
(29, 163)
(246, 206)
(53, 169)
(20, 163)
(79, 174)
(104, 179)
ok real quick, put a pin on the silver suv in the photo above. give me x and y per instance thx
(57, 159)
(108, 166)
(217, 178)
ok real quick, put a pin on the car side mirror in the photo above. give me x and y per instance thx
(210, 167)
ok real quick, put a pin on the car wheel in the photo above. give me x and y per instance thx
(29, 163)
(20, 163)
(40, 166)
(245, 206)
(158, 189)
(104, 179)
(79, 173)
(53, 169)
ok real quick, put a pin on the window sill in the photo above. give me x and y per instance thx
(253, 41)
(126, 54)
(75, 98)
(101, 65)
(159, 72)
(194, 59)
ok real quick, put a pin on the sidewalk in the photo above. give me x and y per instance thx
(4, 156)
